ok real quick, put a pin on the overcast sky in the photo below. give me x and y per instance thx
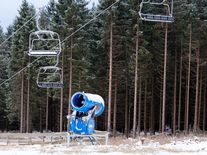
(8, 9)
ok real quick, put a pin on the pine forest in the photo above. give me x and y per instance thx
(151, 75)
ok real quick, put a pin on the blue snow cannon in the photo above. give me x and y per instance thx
(85, 108)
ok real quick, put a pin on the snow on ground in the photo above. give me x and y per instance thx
(152, 145)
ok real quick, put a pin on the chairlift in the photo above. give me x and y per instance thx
(50, 77)
(44, 42)
(167, 18)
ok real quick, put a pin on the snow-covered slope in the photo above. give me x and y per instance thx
(118, 146)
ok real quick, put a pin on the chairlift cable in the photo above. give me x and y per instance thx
(29, 65)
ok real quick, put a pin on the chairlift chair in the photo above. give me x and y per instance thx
(44, 43)
(167, 18)
(50, 77)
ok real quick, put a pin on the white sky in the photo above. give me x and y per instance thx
(8, 9)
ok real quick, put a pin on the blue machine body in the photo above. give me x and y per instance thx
(85, 108)
(80, 126)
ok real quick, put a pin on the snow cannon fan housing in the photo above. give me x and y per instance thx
(85, 107)
(84, 102)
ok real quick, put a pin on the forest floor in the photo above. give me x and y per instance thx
(159, 144)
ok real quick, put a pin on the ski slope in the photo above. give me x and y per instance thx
(117, 146)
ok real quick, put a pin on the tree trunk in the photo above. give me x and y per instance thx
(188, 84)
(186, 92)
(175, 94)
(47, 104)
(126, 109)
(160, 112)
(200, 100)
(135, 84)
(70, 81)
(145, 108)
(40, 119)
(204, 102)
(164, 80)
(152, 111)
(195, 126)
(180, 86)
(129, 110)
(110, 76)
(61, 110)
(28, 100)
(139, 110)
(115, 109)
(62, 95)
(22, 104)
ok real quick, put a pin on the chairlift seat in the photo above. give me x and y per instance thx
(43, 53)
(157, 18)
(50, 85)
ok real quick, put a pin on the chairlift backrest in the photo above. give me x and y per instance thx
(168, 17)
(50, 77)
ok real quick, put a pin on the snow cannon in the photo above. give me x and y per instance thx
(85, 108)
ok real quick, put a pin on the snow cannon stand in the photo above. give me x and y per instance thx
(85, 108)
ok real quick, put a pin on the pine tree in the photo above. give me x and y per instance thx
(70, 16)
(4, 59)
(19, 60)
